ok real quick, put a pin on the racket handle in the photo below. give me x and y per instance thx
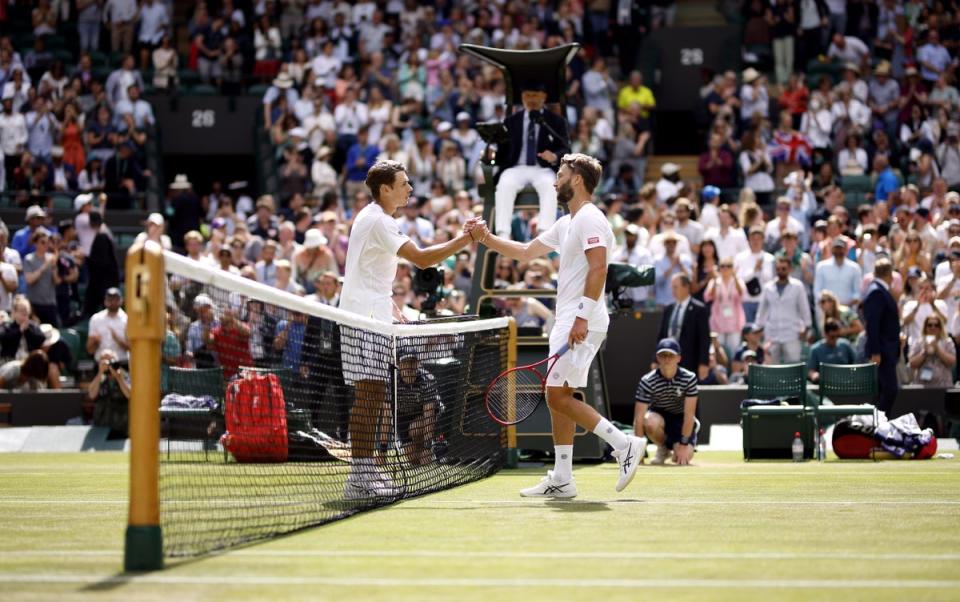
(564, 349)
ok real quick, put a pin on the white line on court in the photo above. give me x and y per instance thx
(47, 578)
(426, 502)
(453, 555)
(154, 578)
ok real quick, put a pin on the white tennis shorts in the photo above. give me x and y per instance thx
(364, 357)
(572, 369)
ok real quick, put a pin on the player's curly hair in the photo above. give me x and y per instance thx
(383, 173)
(585, 166)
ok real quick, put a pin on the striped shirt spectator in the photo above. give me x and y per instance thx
(667, 395)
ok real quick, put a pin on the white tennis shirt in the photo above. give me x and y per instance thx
(571, 237)
(371, 264)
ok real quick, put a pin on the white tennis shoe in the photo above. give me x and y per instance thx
(363, 487)
(549, 488)
(628, 459)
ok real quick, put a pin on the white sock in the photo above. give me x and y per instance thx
(611, 434)
(563, 463)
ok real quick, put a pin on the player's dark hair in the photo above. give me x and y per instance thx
(35, 366)
(382, 173)
(585, 166)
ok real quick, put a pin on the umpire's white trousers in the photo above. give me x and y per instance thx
(514, 179)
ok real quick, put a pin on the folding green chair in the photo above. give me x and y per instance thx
(194, 381)
(853, 381)
(768, 430)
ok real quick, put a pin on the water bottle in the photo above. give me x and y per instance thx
(822, 447)
(797, 448)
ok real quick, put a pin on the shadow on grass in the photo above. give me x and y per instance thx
(575, 506)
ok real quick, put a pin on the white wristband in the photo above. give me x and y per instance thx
(585, 307)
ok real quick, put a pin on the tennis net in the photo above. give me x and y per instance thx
(280, 413)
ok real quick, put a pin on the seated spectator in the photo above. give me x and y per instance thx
(847, 320)
(165, 63)
(134, 105)
(123, 176)
(756, 167)
(288, 342)
(933, 355)
(832, 349)
(852, 159)
(751, 341)
(916, 311)
(110, 389)
(30, 373)
(108, 329)
(20, 335)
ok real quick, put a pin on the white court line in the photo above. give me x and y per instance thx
(456, 554)
(154, 578)
(426, 502)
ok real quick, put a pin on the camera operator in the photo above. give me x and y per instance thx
(110, 390)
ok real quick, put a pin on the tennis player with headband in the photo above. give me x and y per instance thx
(372, 255)
(584, 241)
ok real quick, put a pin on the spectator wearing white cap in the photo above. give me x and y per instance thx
(22, 239)
(282, 85)
(754, 98)
(83, 204)
(154, 231)
(108, 328)
(668, 186)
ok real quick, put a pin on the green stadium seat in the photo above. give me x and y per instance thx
(63, 55)
(852, 200)
(116, 58)
(257, 90)
(202, 90)
(62, 202)
(198, 381)
(775, 382)
(188, 78)
(99, 59)
(55, 42)
(856, 184)
(855, 381)
(71, 339)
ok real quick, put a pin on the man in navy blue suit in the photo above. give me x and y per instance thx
(883, 332)
(537, 140)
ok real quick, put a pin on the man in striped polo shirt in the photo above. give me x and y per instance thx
(666, 404)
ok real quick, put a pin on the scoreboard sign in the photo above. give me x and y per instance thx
(682, 55)
(206, 125)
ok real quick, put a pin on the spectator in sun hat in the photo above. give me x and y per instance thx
(282, 85)
(313, 258)
(22, 239)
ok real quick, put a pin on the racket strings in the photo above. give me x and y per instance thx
(515, 395)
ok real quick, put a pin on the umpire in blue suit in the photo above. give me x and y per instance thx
(883, 332)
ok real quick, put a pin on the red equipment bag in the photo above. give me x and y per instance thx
(256, 419)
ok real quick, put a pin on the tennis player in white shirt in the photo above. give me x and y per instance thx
(372, 256)
(585, 242)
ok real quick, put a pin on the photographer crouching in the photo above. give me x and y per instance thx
(110, 391)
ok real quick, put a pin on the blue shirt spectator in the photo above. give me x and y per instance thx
(839, 275)
(887, 181)
(832, 349)
(665, 267)
(361, 157)
(290, 337)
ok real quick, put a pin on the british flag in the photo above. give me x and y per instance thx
(790, 147)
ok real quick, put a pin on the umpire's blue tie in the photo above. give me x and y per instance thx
(531, 141)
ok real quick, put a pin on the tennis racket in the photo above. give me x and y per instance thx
(515, 395)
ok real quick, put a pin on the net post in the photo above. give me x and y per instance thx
(146, 326)
(513, 455)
